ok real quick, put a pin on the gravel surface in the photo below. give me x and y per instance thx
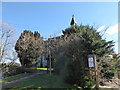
(115, 83)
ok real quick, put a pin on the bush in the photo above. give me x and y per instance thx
(10, 69)
(14, 70)
(30, 70)
(107, 68)
(89, 85)
(72, 72)
(60, 65)
(76, 47)
(26, 70)
(20, 70)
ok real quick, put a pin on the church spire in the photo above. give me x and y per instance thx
(73, 22)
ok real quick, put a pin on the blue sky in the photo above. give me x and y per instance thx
(49, 18)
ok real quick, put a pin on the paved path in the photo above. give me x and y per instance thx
(23, 78)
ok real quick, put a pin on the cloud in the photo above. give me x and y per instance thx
(101, 28)
(60, 34)
(116, 47)
(112, 29)
(110, 33)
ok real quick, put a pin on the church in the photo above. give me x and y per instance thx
(43, 62)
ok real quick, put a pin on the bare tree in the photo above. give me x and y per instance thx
(6, 33)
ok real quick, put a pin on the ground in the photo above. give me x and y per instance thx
(11, 78)
(41, 81)
(114, 83)
(44, 80)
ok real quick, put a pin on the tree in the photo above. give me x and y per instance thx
(29, 47)
(81, 41)
(6, 46)
(6, 34)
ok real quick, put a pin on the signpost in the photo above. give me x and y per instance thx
(50, 57)
(93, 64)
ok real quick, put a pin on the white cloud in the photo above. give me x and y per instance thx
(60, 34)
(116, 47)
(101, 28)
(112, 29)
(110, 34)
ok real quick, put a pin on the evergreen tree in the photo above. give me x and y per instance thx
(29, 47)
(79, 42)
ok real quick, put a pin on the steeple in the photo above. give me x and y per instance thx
(73, 22)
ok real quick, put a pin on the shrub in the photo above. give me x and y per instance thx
(74, 74)
(60, 64)
(26, 70)
(10, 69)
(30, 70)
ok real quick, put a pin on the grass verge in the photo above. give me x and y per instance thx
(41, 81)
(11, 78)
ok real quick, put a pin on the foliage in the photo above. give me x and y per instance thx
(107, 67)
(29, 47)
(6, 49)
(73, 74)
(117, 58)
(60, 64)
(10, 69)
(78, 43)
(30, 70)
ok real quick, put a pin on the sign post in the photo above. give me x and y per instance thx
(93, 64)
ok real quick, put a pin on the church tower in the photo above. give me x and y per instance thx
(73, 22)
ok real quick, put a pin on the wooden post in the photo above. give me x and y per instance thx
(93, 64)
(90, 74)
(50, 62)
(47, 65)
(96, 73)
(50, 57)
(118, 74)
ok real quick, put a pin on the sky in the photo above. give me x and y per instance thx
(49, 18)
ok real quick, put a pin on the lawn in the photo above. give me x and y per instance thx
(11, 78)
(43, 69)
(41, 81)
(15, 77)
